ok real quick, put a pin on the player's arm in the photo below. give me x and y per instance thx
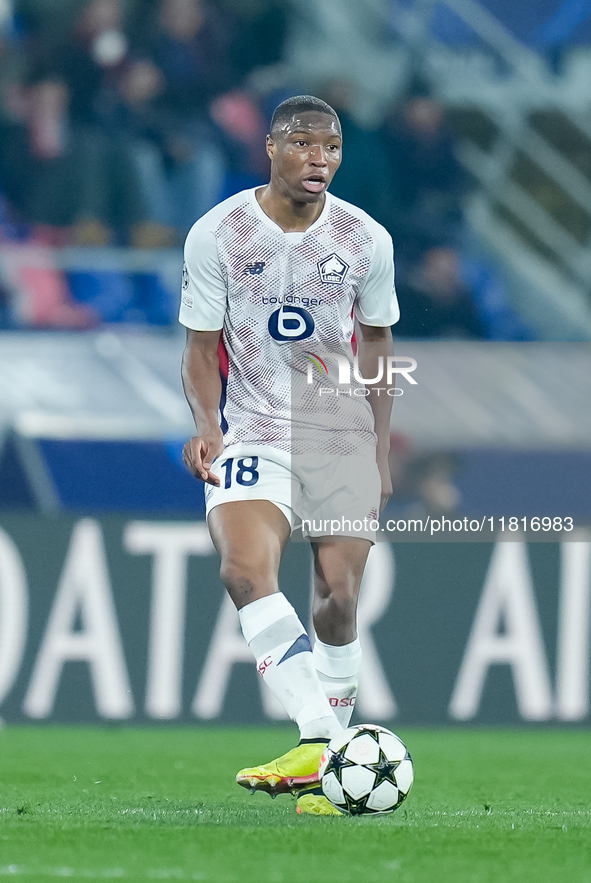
(376, 309)
(374, 342)
(200, 373)
(202, 312)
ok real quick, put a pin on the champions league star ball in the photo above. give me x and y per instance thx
(366, 770)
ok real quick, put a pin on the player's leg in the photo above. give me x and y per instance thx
(343, 494)
(250, 536)
(339, 563)
(338, 569)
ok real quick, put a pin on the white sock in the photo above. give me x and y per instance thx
(283, 656)
(338, 670)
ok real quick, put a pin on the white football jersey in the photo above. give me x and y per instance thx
(285, 301)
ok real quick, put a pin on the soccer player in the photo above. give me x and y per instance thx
(285, 274)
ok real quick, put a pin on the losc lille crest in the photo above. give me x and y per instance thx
(332, 269)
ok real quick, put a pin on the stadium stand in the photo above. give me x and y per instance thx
(475, 115)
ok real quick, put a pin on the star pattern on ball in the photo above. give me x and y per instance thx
(383, 768)
(356, 807)
(338, 762)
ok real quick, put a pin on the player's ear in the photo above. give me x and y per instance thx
(270, 147)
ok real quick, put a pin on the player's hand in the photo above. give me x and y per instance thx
(386, 478)
(199, 454)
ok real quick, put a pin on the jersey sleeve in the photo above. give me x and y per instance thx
(204, 290)
(376, 303)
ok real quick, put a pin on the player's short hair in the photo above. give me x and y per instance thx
(284, 112)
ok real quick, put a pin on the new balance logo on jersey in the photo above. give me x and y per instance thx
(332, 269)
(254, 269)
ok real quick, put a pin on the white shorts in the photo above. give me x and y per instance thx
(328, 495)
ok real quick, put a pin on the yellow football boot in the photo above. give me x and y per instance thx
(287, 774)
(313, 802)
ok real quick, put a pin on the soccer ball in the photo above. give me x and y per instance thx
(366, 770)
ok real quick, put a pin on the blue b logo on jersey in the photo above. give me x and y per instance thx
(291, 323)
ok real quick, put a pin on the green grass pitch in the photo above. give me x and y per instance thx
(509, 806)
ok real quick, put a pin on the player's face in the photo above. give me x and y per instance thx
(305, 154)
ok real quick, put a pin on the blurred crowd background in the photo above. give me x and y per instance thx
(467, 134)
(123, 121)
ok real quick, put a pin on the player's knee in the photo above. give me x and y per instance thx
(341, 588)
(245, 580)
(233, 572)
(346, 604)
(341, 598)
